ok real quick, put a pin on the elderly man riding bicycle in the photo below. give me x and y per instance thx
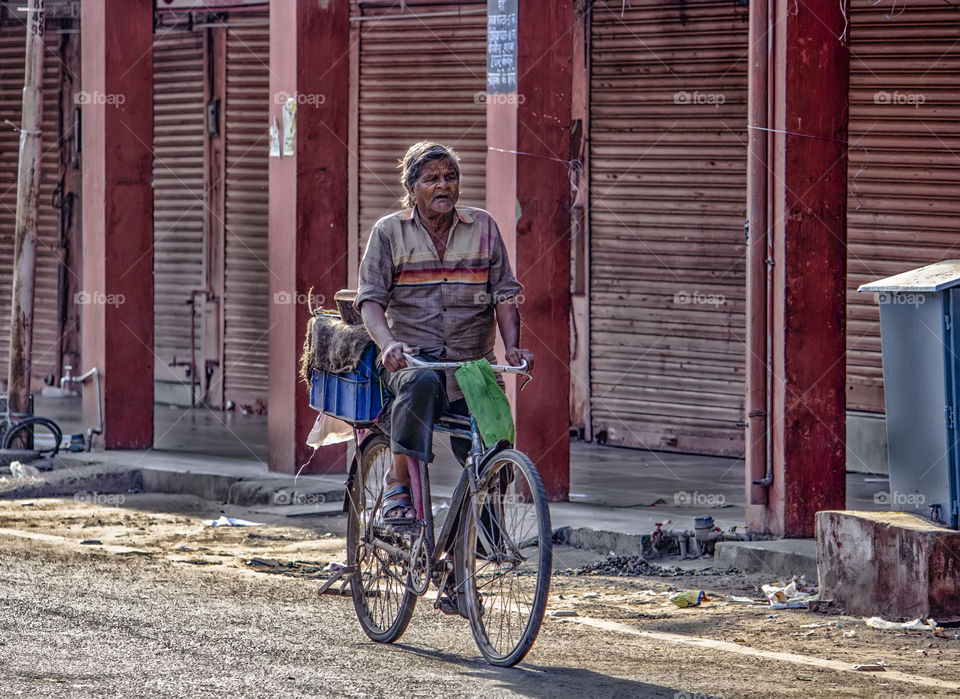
(435, 282)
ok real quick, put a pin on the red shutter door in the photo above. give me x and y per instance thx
(422, 67)
(247, 273)
(903, 204)
(668, 92)
(178, 201)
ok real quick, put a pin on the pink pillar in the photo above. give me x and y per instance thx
(116, 291)
(808, 164)
(528, 190)
(309, 62)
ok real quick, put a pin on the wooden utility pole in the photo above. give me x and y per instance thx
(25, 233)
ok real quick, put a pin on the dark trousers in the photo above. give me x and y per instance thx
(419, 399)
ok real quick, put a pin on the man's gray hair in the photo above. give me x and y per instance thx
(418, 155)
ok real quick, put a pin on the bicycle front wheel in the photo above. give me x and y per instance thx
(383, 601)
(506, 553)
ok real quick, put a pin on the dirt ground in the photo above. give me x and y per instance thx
(604, 636)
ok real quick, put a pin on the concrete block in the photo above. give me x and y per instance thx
(209, 486)
(24, 456)
(889, 564)
(286, 491)
(602, 541)
(779, 558)
(67, 482)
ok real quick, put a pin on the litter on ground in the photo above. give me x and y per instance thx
(225, 521)
(876, 622)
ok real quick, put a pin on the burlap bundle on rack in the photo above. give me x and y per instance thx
(332, 346)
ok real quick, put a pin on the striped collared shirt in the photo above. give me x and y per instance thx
(439, 307)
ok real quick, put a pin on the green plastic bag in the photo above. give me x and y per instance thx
(487, 402)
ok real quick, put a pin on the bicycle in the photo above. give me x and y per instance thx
(491, 559)
(28, 431)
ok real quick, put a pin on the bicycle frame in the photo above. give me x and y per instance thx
(439, 546)
(465, 427)
(486, 562)
(466, 485)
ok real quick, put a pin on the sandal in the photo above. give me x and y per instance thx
(397, 498)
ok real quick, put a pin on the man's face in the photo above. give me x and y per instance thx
(437, 189)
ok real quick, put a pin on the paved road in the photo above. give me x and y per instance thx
(167, 607)
(86, 622)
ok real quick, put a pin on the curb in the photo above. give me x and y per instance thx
(776, 557)
(603, 541)
(71, 476)
(317, 495)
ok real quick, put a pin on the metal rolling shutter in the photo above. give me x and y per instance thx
(246, 276)
(903, 204)
(668, 201)
(46, 331)
(178, 195)
(419, 79)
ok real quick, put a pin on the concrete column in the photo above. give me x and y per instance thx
(808, 164)
(116, 295)
(309, 62)
(528, 191)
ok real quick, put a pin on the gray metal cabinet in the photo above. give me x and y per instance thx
(921, 376)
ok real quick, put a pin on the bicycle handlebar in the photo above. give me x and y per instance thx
(414, 363)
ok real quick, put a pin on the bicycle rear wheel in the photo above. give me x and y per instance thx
(381, 597)
(505, 554)
(39, 434)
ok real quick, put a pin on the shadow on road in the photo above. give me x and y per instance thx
(544, 680)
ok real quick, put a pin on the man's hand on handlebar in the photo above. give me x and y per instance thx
(392, 355)
(516, 356)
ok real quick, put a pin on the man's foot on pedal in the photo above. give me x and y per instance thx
(397, 507)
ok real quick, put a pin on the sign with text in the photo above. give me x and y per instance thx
(501, 46)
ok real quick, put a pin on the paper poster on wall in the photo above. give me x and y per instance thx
(290, 127)
(501, 46)
(275, 138)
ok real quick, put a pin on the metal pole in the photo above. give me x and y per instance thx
(25, 232)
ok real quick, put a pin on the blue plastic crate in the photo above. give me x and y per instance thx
(355, 397)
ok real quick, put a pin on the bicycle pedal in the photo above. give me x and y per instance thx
(447, 606)
(411, 528)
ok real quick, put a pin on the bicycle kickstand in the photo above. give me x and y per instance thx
(345, 573)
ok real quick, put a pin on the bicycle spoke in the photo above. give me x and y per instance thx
(508, 566)
(382, 599)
